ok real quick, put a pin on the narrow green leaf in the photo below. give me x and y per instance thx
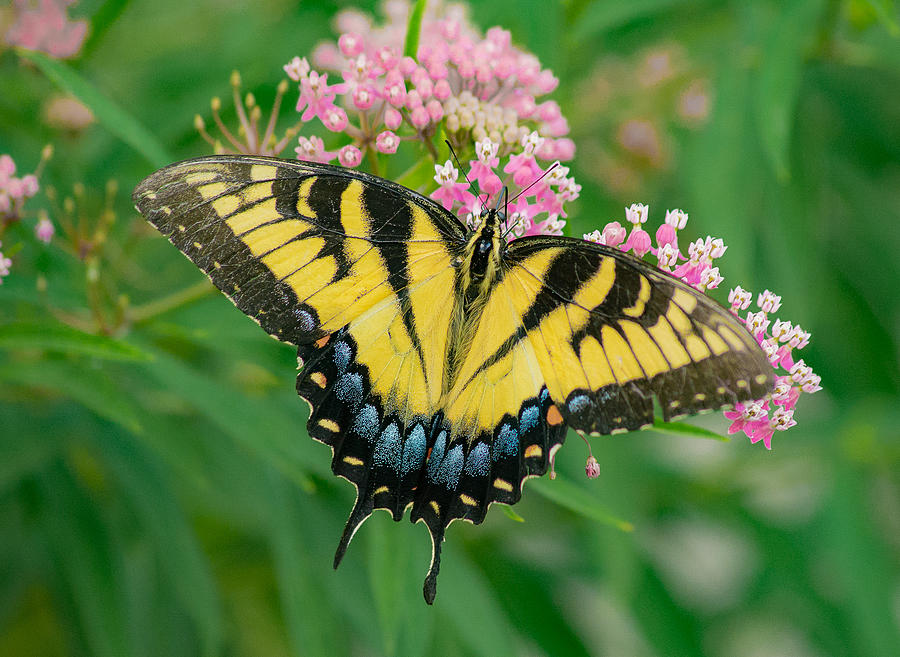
(89, 386)
(512, 515)
(465, 597)
(179, 554)
(109, 113)
(66, 339)
(886, 11)
(605, 15)
(778, 82)
(389, 557)
(687, 430)
(574, 498)
(81, 549)
(414, 28)
(307, 614)
(268, 428)
(101, 21)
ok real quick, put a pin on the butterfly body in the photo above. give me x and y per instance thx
(442, 365)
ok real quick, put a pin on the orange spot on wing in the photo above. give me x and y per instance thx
(554, 418)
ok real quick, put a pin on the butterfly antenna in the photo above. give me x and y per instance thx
(536, 181)
(509, 226)
(453, 153)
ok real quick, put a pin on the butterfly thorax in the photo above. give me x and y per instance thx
(479, 272)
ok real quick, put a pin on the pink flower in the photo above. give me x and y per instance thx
(614, 234)
(312, 149)
(364, 96)
(638, 241)
(317, 96)
(387, 142)
(592, 467)
(45, 26)
(637, 213)
(335, 119)
(297, 69)
(44, 230)
(744, 414)
(482, 169)
(665, 236)
(739, 299)
(676, 218)
(350, 156)
(450, 191)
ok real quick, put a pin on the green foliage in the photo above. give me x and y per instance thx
(159, 494)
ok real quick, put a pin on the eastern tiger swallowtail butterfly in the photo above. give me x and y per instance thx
(443, 365)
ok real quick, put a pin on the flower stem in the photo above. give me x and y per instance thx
(414, 28)
(152, 309)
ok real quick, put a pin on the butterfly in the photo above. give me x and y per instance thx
(444, 365)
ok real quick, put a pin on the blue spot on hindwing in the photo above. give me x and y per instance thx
(451, 466)
(413, 450)
(349, 389)
(437, 454)
(342, 355)
(544, 394)
(530, 416)
(478, 463)
(506, 443)
(387, 449)
(578, 403)
(366, 423)
(305, 321)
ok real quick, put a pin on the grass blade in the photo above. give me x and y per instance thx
(109, 113)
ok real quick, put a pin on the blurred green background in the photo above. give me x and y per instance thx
(159, 494)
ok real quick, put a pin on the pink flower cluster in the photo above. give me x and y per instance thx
(472, 87)
(45, 26)
(14, 191)
(758, 419)
(533, 190)
(695, 269)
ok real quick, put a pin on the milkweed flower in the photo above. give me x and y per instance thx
(759, 419)
(45, 26)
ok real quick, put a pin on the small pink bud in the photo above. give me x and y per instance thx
(419, 117)
(350, 156)
(435, 110)
(640, 242)
(442, 90)
(613, 233)
(363, 97)
(44, 230)
(335, 119)
(350, 44)
(565, 149)
(29, 185)
(387, 142)
(413, 100)
(392, 118)
(406, 66)
(7, 166)
(592, 467)
(665, 236)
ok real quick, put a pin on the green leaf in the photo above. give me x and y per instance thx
(512, 515)
(66, 339)
(101, 21)
(466, 599)
(109, 113)
(784, 54)
(687, 430)
(179, 554)
(414, 28)
(575, 498)
(605, 15)
(273, 430)
(307, 615)
(885, 10)
(81, 548)
(87, 385)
